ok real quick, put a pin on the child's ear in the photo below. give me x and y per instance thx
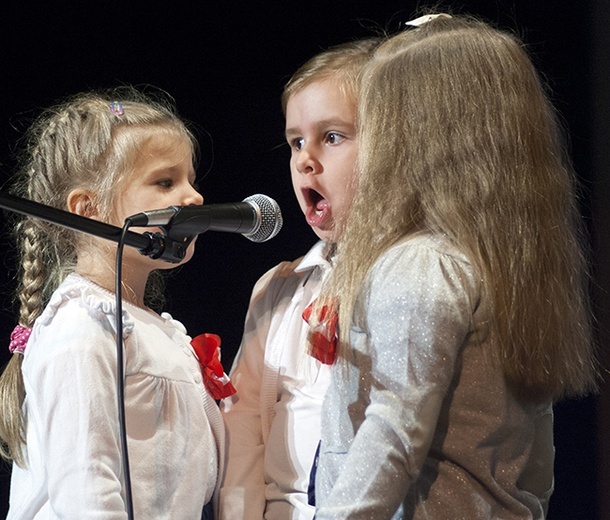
(82, 202)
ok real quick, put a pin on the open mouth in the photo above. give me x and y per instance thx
(318, 208)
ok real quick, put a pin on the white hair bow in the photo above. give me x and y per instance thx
(418, 22)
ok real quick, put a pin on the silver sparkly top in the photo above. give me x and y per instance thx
(418, 423)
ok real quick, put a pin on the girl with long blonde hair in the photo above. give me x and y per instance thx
(461, 286)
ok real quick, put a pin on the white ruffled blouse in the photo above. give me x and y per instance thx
(175, 432)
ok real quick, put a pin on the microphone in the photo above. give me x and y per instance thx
(257, 217)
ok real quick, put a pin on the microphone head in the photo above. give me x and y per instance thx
(270, 218)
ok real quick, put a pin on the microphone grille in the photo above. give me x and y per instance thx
(270, 218)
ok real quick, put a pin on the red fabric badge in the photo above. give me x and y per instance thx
(323, 336)
(207, 348)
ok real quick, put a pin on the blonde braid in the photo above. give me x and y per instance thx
(12, 426)
(45, 253)
(34, 279)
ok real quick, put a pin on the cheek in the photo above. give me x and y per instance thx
(119, 213)
(300, 199)
(295, 178)
(344, 183)
(294, 174)
(349, 163)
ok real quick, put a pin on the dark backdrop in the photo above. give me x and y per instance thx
(225, 63)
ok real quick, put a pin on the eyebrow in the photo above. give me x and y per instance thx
(337, 122)
(174, 170)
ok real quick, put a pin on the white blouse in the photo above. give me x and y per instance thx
(175, 432)
(273, 422)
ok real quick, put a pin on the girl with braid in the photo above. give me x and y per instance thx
(104, 156)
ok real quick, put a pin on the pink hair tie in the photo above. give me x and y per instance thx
(19, 339)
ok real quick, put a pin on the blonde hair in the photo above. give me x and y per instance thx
(80, 143)
(342, 63)
(457, 137)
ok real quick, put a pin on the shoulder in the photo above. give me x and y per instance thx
(285, 276)
(422, 250)
(80, 309)
(425, 280)
(425, 244)
(424, 262)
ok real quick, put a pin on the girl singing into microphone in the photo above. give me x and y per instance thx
(104, 156)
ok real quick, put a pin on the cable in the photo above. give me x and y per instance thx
(120, 369)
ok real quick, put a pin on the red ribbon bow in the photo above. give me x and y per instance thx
(207, 348)
(323, 335)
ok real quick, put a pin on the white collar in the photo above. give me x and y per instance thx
(314, 258)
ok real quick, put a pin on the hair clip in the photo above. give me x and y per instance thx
(19, 339)
(418, 22)
(116, 107)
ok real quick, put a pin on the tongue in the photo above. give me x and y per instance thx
(317, 216)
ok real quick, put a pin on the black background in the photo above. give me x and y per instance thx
(225, 64)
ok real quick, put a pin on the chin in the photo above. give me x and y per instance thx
(162, 264)
(329, 236)
(190, 252)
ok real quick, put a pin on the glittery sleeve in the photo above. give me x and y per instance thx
(537, 476)
(410, 323)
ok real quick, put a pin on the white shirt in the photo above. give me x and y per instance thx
(273, 423)
(175, 432)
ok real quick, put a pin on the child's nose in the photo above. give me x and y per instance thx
(192, 198)
(307, 162)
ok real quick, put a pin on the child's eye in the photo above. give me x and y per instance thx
(334, 138)
(165, 183)
(297, 143)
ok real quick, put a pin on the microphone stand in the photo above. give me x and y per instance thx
(154, 245)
